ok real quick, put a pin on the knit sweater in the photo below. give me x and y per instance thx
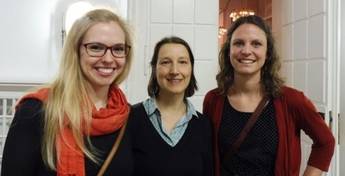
(22, 152)
(191, 156)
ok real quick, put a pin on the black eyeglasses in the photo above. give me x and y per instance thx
(118, 50)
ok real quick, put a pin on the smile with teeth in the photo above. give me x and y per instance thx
(104, 70)
(246, 61)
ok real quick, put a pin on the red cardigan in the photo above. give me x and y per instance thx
(294, 112)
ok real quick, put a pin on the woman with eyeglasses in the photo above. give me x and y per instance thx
(170, 138)
(77, 123)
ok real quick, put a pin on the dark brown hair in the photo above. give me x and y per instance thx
(153, 87)
(270, 78)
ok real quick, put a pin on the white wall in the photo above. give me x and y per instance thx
(196, 21)
(25, 41)
(306, 48)
(31, 37)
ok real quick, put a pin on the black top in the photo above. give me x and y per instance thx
(191, 156)
(22, 152)
(257, 153)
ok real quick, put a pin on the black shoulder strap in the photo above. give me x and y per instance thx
(246, 129)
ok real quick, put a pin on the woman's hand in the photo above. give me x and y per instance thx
(312, 171)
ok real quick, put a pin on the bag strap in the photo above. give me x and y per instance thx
(112, 151)
(248, 126)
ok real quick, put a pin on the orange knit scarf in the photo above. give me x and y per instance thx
(104, 121)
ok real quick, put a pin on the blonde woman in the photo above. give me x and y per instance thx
(69, 127)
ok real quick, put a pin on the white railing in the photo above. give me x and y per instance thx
(7, 103)
(9, 94)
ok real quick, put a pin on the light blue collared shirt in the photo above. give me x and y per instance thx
(177, 132)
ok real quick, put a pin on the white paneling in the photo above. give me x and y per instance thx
(137, 78)
(300, 40)
(205, 74)
(287, 15)
(195, 21)
(287, 42)
(287, 72)
(206, 44)
(317, 6)
(183, 11)
(300, 75)
(316, 81)
(300, 9)
(309, 62)
(206, 12)
(161, 11)
(158, 31)
(197, 101)
(316, 40)
(186, 32)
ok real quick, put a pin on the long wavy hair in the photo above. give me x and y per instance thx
(153, 87)
(68, 97)
(270, 77)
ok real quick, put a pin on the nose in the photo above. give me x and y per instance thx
(108, 57)
(174, 69)
(246, 50)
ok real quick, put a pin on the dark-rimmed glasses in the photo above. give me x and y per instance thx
(118, 50)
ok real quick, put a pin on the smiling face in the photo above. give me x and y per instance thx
(173, 69)
(248, 49)
(102, 71)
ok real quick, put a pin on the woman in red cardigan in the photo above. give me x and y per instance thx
(249, 67)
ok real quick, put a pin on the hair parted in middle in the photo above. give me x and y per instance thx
(270, 76)
(153, 87)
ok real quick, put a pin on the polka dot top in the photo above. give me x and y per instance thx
(257, 153)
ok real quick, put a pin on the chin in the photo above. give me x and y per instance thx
(176, 92)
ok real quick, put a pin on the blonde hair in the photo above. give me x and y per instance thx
(68, 97)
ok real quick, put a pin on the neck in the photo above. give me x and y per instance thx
(250, 86)
(173, 103)
(99, 96)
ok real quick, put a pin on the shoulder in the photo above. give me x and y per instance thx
(212, 96)
(289, 91)
(292, 94)
(202, 124)
(295, 99)
(203, 119)
(136, 113)
(28, 117)
(29, 108)
(201, 115)
(137, 108)
(213, 93)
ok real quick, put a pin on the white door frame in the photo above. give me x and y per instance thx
(340, 104)
(334, 55)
